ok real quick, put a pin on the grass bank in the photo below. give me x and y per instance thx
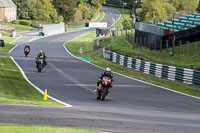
(5, 33)
(17, 26)
(14, 128)
(86, 41)
(98, 60)
(7, 45)
(15, 89)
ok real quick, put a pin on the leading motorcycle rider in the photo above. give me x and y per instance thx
(42, 55)
(107, 73)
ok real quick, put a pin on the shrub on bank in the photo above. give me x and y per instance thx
(22, 22)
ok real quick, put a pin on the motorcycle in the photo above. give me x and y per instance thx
(26, 51)
(40, 64)
(104, 87)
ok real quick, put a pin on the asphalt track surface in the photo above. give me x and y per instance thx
(132, 107)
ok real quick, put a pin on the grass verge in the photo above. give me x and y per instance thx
(4, 33)
(14, 128)
(15, 89)
(85, 41)
(8, 46)
(98, 60)
(17, 26)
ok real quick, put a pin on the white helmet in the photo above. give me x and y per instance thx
(108, 69)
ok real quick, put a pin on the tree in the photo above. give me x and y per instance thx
(198, 7)
(127, 24)
(170, 8)
(66, 8)
(37, 10)
(89, 7)
(152, 9)
(184, 4)
(26, 9)
(115, 2)
(46, 10)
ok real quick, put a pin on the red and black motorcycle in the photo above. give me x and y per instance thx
(26, 51)
(103, 91)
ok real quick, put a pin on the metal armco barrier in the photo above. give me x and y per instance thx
(183, 75)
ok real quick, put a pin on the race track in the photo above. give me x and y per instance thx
(132, 107)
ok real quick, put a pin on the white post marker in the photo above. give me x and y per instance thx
(81, 50)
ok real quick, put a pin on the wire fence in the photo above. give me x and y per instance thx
(171, 46)
(179, 47)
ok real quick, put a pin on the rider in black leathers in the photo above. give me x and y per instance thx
(42, 55)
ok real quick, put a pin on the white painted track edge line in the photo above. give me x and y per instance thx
(128, 76)
(24, 75)
(14, 44)
(103, 16)
(16, 39)
(12, 49)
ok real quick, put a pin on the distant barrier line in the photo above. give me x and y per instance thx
(183, 75)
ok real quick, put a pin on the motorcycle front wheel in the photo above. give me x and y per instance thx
(39, 67)
(104, 94)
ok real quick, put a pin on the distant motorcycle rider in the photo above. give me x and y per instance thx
(42, 55)
(107, 73)
(27, 46)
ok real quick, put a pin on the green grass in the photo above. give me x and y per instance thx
(125, 15)
(85, 41)
(18, 35)
(5, 33)
(15, 128)
(18, 26)
(178, 60)
(8, 46)
(15, 89)
(117, 45)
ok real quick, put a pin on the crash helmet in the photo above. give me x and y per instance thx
(108, 71)
(41, 51)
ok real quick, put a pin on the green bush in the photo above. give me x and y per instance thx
(22, 22)
(25, 22)
(16, 21)
(38, 22)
